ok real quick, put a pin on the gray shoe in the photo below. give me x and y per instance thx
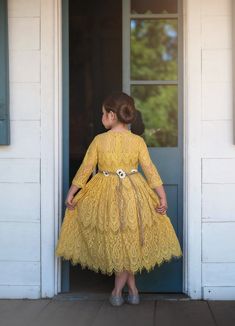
(133, 299)
(116, 300)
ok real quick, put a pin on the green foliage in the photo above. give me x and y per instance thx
(154, 57)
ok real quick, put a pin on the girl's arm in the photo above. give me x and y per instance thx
(68, 202)
(163, 201)
(150, 171)
(153, 178)
(88, 164)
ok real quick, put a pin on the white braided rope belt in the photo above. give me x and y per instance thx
(122, 174)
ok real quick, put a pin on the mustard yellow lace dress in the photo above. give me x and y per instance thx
(114, 225)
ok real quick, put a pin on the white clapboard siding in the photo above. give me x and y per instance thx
(25, 101)
(20, 273)
(218, 152)
(20, 202)
(20, 291)
(20, 162)
(216, 65)
(19, 39)
(218, 245)
(218, 170)
(19, 171)
(24, 8)
(216, 35)
(215, 7)
(24, 66)
(216, 32)
(218, 274)
(21, 241)
(25, 140)
(217, 138)
(218, 292)
(217, 101)
(217, 203)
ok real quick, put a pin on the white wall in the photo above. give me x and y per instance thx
(29, 179)
(20, 161)
(217, 152)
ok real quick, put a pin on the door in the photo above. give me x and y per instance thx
(134, 46)
(152, 74)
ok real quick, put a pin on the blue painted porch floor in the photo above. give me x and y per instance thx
(85, 309)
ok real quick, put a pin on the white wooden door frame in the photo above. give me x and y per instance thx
(51, 144)
(51, 140)
(192, 273)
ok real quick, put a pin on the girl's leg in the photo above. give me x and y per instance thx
(131, 284)
(120, 281)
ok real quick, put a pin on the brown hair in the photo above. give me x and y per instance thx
(122, 104)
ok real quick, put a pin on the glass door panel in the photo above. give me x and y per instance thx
(158, 105)
(154, 49)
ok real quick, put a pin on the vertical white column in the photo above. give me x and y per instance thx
(192, 171)
(50, 141)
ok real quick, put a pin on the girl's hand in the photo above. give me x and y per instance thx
(68, 201)
(162, 208)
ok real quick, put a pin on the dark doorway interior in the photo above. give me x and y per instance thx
(95, 70)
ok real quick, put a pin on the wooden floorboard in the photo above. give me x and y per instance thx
(223, 312)
(69, 313)
(131, 315)
(183, 313)
(83, 311)
(20, 312)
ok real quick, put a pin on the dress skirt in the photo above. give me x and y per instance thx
(115, 226)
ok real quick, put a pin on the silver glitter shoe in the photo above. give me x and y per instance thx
(116, 300)
(133, 299)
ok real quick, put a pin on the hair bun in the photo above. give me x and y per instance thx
(123, 105)
(126, 113)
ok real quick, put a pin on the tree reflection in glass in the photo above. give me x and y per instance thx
(154, 49)
(158, 105)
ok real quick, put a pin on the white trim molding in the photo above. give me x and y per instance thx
(192, 149)
(233, 63)
(51, 160)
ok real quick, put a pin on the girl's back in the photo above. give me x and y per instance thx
(118, 149)
(114, 150)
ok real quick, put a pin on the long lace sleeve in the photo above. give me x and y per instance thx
(150, 171)
(88, 164)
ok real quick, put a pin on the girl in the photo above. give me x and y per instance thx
(117, 222)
